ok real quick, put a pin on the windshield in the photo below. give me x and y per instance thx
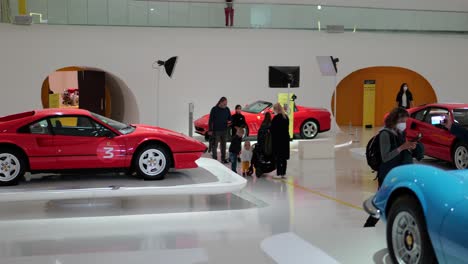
(461, 116)
(256, 107)
(121, 127)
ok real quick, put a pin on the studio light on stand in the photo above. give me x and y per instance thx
(328, 67)
(169, 67)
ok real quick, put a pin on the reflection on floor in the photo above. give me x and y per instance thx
(319, 205)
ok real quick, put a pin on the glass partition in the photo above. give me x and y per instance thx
(212, 15)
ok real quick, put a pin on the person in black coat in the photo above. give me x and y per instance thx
(220, 119)
(404, 97)
(238, 121)
(280, 138)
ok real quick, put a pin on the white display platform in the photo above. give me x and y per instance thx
(227, 182)
(322, 148)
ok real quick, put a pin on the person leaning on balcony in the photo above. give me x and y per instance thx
(229, 13)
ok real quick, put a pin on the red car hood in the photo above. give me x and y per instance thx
(164, 133)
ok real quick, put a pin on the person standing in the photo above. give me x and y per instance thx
(238, 121)
(280, 140)
(395, 150)
(246, 158)
(229, 13)
(404, 97)
(220, 119)
(235, 148)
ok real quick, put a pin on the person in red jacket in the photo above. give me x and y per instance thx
(229, 13)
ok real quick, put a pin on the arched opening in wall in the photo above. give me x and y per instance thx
(350, 99)
(92, 89)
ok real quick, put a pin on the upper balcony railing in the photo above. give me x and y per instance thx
(212, 15)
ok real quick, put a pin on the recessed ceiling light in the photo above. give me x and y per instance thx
(319, 7)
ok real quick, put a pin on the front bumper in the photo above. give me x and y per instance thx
(370, 208)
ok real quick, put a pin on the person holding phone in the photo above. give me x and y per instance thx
(455, 129)
(395, 149)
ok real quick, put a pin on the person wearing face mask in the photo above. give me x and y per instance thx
(395, 150)
(404, 97)
(220, 119)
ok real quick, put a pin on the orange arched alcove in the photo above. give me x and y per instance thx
(388, 81)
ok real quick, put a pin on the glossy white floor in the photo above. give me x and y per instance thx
(314, 216)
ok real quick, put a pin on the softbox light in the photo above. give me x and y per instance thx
(281, 76)
(169, 65)
(327, 65)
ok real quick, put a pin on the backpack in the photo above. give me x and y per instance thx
(373, 157)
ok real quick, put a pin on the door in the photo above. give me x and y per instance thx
(82, 143)
(91, 86)
(436, 139)
(454, 234)
(38, 142)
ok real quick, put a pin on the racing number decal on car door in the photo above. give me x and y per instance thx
(107, 151)
(109, 154)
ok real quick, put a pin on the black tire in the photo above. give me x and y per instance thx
(162, 165)
(11, 162)
(309, 129)
(406, 227)
(460, 155)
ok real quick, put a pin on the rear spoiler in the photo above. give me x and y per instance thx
(16, 116)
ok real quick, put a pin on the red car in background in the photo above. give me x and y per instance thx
(438, 141)
(308, 122)
(56, 140)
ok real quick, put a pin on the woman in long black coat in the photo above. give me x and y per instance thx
(280, 138)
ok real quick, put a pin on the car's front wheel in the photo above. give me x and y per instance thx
(152, 162)
(309, 129)
(12, 166)
(407, 237)
(460, 156)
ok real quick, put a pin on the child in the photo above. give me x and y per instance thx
(246, 157)
(235, 148)
(238, 120)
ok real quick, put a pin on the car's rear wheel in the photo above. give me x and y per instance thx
(12, 166)
(407, 237)
(460, 156)
(152, 162)
(309, 129)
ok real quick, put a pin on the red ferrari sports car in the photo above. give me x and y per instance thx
(438, 142)
(308, 122)
(55, 140)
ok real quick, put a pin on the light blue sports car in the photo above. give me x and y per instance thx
(426, 210)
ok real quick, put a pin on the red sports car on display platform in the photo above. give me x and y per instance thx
(308, 122)
(55, 140)
(437, 140)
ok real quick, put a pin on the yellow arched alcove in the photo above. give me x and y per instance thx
(388, 80)
(46, 89)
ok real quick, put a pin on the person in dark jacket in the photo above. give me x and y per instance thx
(235, 148)
(238, 120)
(457, 130)
(280, 140)
(220, 119)
(395, 149)
(263, 130)
(404, 97)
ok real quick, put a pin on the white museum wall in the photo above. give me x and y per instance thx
(215, 63)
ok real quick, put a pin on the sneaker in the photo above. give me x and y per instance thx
(276, 177)
(225, 161)
(284, 176)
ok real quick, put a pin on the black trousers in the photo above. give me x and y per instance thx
(281, 166)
